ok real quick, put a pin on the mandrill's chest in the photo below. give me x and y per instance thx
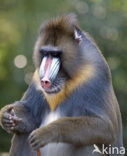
(52, 148)
(50, 117)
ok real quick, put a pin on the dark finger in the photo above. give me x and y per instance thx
(31, 139)
(16, 119)
(7, 116)
(10, 108)
(10, 125)
(9, 128)
(31, 135)
(8, 121)
(12, 112)
(35, 145)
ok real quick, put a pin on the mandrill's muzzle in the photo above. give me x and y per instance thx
(49, 69)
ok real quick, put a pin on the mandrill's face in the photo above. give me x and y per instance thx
(51, 76)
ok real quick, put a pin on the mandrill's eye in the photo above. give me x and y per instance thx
(56, 54)
(44, 53)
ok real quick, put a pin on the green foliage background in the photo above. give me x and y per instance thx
(105, 20)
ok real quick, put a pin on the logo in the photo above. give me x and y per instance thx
(109, 149)
(96, 149)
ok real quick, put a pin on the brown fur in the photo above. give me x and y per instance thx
(62, 24)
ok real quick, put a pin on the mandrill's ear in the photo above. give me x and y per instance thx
(77, 34)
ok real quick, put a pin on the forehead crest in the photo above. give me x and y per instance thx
(60, 24)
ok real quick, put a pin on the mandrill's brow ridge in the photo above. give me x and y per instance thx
(50, 49)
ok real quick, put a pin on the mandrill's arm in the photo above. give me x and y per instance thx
(25, 115)
(75, 130)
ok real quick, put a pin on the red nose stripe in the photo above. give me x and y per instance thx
(47, 66)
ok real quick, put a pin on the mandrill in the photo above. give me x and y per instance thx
(70, 106)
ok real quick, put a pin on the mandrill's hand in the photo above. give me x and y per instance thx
(42, 136)
(9, 120)
(16, 118)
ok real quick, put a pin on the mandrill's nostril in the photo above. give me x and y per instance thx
(45, 83)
